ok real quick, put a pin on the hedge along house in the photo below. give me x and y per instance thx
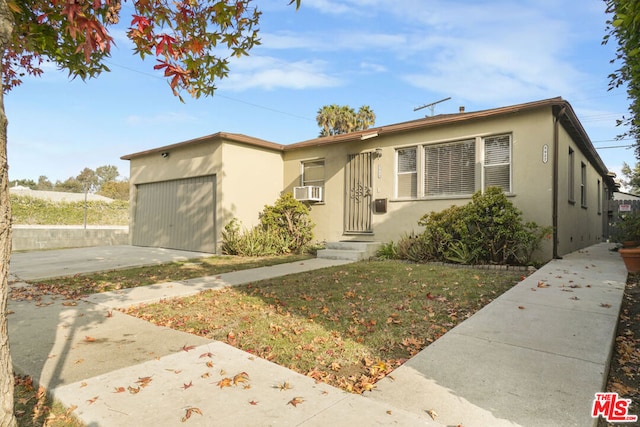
(374, 185)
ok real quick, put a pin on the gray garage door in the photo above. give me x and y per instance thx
(178, 214)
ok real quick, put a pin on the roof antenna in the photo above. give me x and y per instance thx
(431, 106)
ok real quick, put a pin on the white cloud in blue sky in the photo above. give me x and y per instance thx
(392, 55)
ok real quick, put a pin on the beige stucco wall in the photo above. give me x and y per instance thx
(532, 180)
(578, 226)
(247, 176)
(251, 177)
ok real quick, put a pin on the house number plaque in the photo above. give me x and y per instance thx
(545, 153)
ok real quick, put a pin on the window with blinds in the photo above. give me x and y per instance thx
(497, 162)
(407, 173)
(449, 169)
(313, 174)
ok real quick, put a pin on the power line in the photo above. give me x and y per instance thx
(144, 73)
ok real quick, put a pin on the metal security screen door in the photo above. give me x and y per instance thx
(359, 194)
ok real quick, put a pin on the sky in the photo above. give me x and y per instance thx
(392, 55)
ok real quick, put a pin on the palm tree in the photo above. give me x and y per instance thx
(335, 120)
(365, 117)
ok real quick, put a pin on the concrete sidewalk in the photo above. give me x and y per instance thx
(533, 357)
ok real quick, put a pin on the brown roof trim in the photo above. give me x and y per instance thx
(219, 136)
(439, 120)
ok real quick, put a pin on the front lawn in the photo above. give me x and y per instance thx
(347, 326)
(84, 284)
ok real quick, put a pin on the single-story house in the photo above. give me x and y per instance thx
(374, 185)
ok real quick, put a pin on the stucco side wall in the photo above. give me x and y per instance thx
(531, 175)
(579, 225)
(251, 177)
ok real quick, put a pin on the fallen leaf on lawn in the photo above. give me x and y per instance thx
(92, 401)
(242, 377)
(189, 412)
(295, 401)
(119, 390)
(433, 414)
(187, 385)
(188, 348)
(225, 382)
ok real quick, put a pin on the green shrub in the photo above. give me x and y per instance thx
(284, 228)
(388, 251)
(489, 229)
(415, 247)
(290, 219)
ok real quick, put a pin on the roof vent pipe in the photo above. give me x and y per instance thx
(462, 108)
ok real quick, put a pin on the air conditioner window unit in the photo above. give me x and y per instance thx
(308, 193)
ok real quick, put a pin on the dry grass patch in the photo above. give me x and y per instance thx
(348, 326)
(85, 284)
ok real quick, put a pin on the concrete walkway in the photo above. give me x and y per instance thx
(534, 357)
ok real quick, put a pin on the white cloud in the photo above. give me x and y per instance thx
(271, 73)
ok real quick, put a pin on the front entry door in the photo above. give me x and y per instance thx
(359, 193)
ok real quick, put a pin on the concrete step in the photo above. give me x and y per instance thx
(349, 250)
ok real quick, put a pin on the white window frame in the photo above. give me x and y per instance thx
(479, 167)
(508, 163)
(312, 182)
(406, 173)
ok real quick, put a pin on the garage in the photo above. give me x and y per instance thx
(176, 214)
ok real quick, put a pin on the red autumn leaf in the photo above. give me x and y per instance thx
(208, 354)
(295, 401)
(92, 401)
(188, 348)
(543, 285)
(89, 339)
(187, 385)
(253, 402)
(430, 297)
(119, 390)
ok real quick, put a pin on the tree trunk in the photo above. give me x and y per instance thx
(6, 367)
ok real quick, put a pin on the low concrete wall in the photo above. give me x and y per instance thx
(40, 237)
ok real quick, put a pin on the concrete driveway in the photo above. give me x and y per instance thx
(36, 265)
